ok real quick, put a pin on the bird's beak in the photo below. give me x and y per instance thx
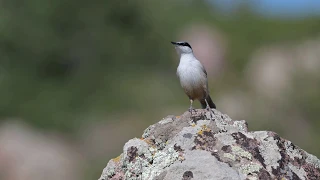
(174, 43)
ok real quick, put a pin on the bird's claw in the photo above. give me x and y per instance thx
(191, 109)
(211, 112)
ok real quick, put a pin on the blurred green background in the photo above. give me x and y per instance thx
(80, 78)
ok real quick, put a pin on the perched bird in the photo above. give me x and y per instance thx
(193, 76)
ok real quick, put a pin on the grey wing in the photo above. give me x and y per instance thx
(202, 68)
(198, 64)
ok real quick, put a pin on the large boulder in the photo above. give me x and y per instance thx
(210, 145)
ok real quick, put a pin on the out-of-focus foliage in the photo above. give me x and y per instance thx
(62, 58)
(62, 61)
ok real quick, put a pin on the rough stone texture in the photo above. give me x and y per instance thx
(208, 145)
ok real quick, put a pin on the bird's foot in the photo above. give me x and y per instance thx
(211, 112)
(191, 109)
(208, 107)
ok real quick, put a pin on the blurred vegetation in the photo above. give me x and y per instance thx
(64, 60)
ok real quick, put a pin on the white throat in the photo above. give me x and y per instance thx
(187, 57)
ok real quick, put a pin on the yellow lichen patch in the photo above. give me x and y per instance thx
(193, 124)
(117, 159)
(205, 128)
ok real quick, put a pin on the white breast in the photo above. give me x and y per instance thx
(192, 78)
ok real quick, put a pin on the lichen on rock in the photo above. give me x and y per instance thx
(209, 145)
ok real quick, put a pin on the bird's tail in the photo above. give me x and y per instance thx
(210, 102)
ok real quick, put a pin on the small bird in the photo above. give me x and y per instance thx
(193, 76)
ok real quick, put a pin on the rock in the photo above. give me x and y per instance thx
(210, 146)
(26, 153)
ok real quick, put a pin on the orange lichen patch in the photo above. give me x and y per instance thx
(149, 141)
(117, 159)
(141, 138)
(177, 116)
(181, 158)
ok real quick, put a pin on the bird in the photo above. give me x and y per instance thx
(193, 76)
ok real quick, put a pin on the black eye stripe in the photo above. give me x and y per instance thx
(185, 44)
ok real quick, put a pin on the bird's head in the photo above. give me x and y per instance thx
(182, 47)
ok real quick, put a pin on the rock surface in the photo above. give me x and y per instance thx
(210, 146)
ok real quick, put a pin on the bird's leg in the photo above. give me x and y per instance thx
(208, 107)
(191, 108)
